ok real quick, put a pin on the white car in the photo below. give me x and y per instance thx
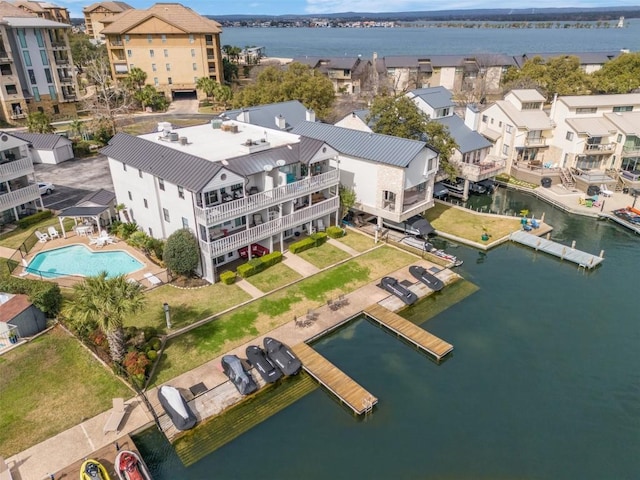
(45, 188)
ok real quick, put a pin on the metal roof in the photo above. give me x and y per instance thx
(98, 198)
(435, 97)
(42, 141)
(468, 140)
(370, 146)
(35, 22)
(82, 211)
(627, 122)
(292, 111)
(592, 126)
(255, 162)
(179, 168)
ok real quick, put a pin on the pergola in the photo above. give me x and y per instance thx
(92, 209)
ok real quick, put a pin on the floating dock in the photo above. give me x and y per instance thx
(582, 259)
(335, 380)
(409, 331)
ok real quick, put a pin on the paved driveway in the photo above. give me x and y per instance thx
(73, 180)
(183, 105)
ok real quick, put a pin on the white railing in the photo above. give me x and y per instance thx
(535, 141)
(268, 229)
(599, 147)
(16, 168)
(19, 197)
(631, 151)
(490, 168)
(259, 201)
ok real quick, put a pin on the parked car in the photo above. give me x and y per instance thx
(243, 381)
(46, 188)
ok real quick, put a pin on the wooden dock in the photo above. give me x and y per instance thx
(582, 259)
(335, 380)
(409, 331)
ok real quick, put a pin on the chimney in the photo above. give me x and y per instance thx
(244, 116)
(281, 122)
(472, 116)
(310, 116)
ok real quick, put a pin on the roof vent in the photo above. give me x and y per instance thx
(183, 141)
(173, 136)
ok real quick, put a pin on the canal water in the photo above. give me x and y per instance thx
(543, 383)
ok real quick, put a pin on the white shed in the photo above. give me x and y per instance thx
(48, 148)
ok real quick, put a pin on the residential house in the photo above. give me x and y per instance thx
(36, 68)
(44, 10)
(392, 177)
(47, 148)
(282, 115)
(170, 42)
(349, 75)
(19, 194)
(233, 184)
(97, 15)
(589, 61)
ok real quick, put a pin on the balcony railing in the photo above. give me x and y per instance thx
(243, 206)
(480, 171)
(535, 141)
(17, 168)
(58, 45)
(599, 148)
(69, 97)
(66, 79)
(268, 229)
(19, 197)
(17, 116)
(5, 57)
(116, 43)
(631, 151)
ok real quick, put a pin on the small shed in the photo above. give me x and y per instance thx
(48, 147)
(19, 318)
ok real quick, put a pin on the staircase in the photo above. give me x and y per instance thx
(613, 173)
(221, 429)
(567, 178)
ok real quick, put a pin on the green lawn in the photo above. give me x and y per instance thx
(274, 277)
(16, 237)
(357, 241)
(187, 306)
(49, 385)
(201, 344)
(324, 255)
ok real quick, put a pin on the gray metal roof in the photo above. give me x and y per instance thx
(99, 197)
(292, 111)
(308, 148)
(468, 140)
(33, 22)
(370, 146)
(188, 171)
(436, 97)
(42, 141)
(82, 211)
(255, 162)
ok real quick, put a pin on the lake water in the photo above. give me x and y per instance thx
(296, 42)
(544, 381)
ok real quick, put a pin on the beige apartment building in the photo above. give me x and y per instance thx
(45, 10)
(36, 68)
(170, 42)
(96, 14)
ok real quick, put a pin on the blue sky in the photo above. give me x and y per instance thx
(280, 7)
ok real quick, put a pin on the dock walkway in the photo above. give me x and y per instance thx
(335, 380)
(583, 259)
(409, 331)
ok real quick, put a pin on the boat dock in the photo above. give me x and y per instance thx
(410, 332)
(335, 380)
(582, 259)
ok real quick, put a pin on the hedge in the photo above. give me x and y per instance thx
(336, 232)
(313, 240)
(228, 277)
(257, 265)
(35, 218)
(44, 295)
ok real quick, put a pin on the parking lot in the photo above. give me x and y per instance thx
(73, 180)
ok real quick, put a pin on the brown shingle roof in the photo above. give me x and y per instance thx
(8, 10)
(115, 7)
(173, 13)
(14, 306)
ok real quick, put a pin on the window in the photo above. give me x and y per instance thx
(168, 67)
(500, 124)
(127, 38)
(161, 184)
(195, 79)
(169, 80)
(180, 192)
(508, 128)
(129, 53)
(491, 120)
(165, 214)
(130, 196)
(52, 92)
(164, 38)
(569, 136)
(39, 38)
(146, 204)
(22, 38)
(195, 66)
(191, 39)
(619, 138)
(240, 221)
(185, 222)
(149, 38)
(32, 77)
(151, 53)
(155, 81)
(193, 52)
(531, 106)
(150, 232)
(124, 167)
(153, 67)
(44, 57)
(166, 52)
(210, 198)
(11, 89)
(140, 173)
(56, 109)
(505, 149)
(626, 108)
(484, 119)
(47, 74)
(27, 58)
(586, 110)
(36, 93)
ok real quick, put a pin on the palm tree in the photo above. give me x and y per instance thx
(208, 85)
(106, 302)
(39, 122)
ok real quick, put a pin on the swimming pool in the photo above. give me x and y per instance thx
(81, 260)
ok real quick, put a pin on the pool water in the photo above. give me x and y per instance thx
(80, 260)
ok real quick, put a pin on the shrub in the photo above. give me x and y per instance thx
(182, 252)
(125, 230)
(156, 343)
(271, 259)
(136, 363)
(44, 295)
(228, 277)
(319, 238)
(336, 232)
(26, 222)
(257, 265)
(152, 355)
(302, 245)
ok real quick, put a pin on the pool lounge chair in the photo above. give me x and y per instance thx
(152, 278)
(117, 414)
(42, 237)
(53, 233)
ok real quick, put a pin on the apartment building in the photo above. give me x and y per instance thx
(97, 15)
(170, 42)
(349, 75)
(36, 68)
(19, 194)
(45, 10)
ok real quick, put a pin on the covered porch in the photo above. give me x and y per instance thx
(92, 213)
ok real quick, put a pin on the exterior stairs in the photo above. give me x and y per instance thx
(567, 178)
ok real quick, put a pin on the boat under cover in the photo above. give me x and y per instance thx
(282, 356)
(392, 285)
(265, 367)
(233, 368)
(430, 280)
(129, 466)
(176, 407)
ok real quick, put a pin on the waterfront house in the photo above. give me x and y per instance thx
(589, 61)
(19, 194)
(349, 75)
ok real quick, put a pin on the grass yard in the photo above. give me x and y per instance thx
(49, 385)
(201, 344)
(324, 255)
(357, 241)
(470, 226)
(15, 238)
(187, 306)
(274, 277)
(148, 126)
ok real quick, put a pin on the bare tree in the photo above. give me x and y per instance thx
(485, 83)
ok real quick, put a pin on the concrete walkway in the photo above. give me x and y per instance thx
(343, 247)
(6, 252)
(294, 262)
(249, 288)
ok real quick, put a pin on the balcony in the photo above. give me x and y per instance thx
(18, 116)
(535, 142)
(633, 151)
(66, 79)
(263, 231)
(116, 43)
(59, 45)
(243, 206)
(483, 170)
(19, 197)
(5, 57)
(69, 97)
(15, 169)
(599, 148)
(61, 61)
